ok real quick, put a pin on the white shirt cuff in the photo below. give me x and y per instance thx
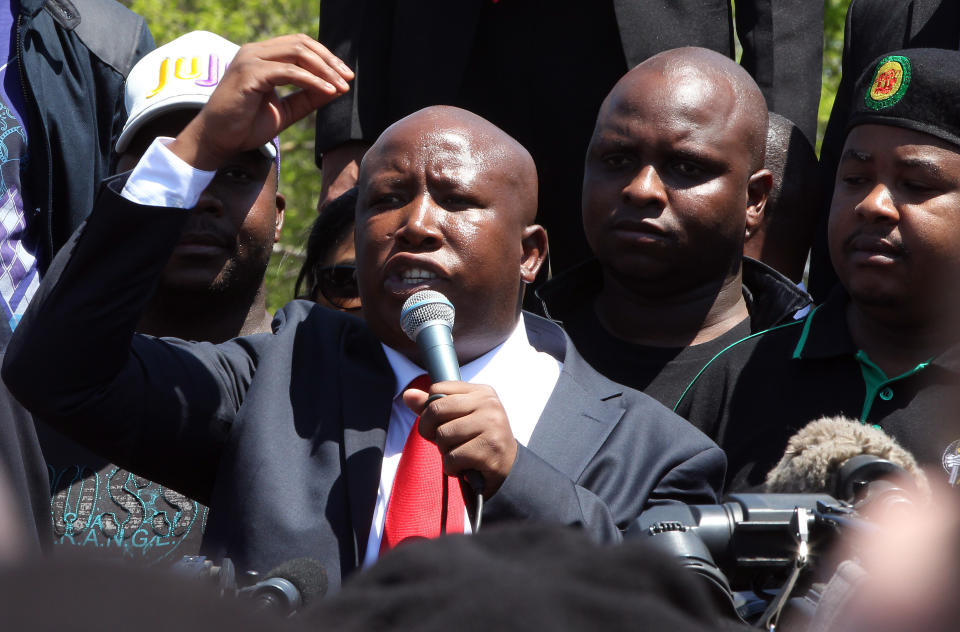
(161, 178)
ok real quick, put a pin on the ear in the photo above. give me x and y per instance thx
(278, 224)
(534, 241)
(758, 191)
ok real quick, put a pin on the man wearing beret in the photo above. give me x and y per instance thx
(885, 347)
(873, 28)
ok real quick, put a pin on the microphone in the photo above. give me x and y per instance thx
(427, 319)
(289, 587)
(840, 456)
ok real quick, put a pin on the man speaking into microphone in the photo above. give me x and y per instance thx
(308, 438)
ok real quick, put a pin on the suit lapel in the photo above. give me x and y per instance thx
(367, 396)
(580, 418)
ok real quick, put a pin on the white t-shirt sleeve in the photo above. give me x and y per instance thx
(161, 178)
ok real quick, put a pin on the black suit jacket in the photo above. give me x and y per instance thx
(409, 55)
(285, 431)
(874, 27)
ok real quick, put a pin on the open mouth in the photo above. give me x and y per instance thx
(416, 276)
(405, 276)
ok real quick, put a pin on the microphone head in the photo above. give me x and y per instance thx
(423, 307)
(306, 574)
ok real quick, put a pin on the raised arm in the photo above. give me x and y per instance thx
(75, 360)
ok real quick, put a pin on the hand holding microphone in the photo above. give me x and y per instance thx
(466, 421)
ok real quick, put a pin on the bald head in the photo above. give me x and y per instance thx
(790, 216)
(470, 145)
(673, 178)
(447, 203)
(703, 83)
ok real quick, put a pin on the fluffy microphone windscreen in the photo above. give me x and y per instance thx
(817, 451)
(308, 575)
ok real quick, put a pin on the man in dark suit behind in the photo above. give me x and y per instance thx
(296, 434)
(874, 27)
(539, 69)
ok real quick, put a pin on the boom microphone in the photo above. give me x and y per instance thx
(838, 455)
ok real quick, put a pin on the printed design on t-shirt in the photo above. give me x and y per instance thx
(18, 265)
(114, 509)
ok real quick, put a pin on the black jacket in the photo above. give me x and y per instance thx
(74, 56)
(73, 60)
(772, 298)
(399, 70)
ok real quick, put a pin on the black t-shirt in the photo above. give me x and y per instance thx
(99, 506)
(753, 397)
(663, 373)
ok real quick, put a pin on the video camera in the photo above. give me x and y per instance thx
(762, 542)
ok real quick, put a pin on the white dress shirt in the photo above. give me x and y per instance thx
(161, 178)
(523, 378)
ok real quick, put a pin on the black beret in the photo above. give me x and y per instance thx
(917, 88)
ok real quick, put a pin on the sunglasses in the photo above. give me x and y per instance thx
(338, 284)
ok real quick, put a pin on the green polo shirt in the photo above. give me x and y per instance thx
(753, 396)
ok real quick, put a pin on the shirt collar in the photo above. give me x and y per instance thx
(825, 333)
(483, 370)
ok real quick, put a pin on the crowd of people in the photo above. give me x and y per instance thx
(624, 225)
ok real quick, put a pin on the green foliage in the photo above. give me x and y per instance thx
(243, 21)
(835, 13)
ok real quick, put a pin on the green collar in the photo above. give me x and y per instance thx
(877, 382)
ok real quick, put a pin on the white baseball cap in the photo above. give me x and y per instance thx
(181, 74)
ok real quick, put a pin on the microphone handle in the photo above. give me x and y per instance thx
(435, 343)
(436, 348)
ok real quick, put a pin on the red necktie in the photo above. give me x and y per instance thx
(423, 502)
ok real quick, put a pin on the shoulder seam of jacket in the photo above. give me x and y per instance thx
(107, 28)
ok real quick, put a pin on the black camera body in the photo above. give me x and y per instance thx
(755, 543)
(747, 538)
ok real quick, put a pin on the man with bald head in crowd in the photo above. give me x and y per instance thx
(673, 182)
(320, 438)
(783, 238)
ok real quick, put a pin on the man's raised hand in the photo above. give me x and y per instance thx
(245, 110)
